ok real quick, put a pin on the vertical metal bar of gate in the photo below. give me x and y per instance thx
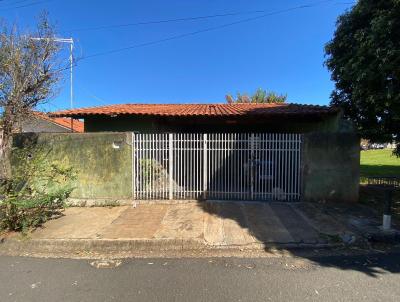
(170, 165)
(133, 158)
(299, 183)
(205, 166)
(251, 168)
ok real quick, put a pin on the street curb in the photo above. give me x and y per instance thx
(386, 237)
(97, 245)
(55, 247)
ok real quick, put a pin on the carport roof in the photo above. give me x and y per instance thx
(207, 110)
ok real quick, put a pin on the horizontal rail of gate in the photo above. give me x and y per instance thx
(221, 166)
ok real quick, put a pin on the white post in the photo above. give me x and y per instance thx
(252, 166)
(205, 166)
(387, 212)
(71, 58)
(133, 170)
(387, 222)
(170, 165)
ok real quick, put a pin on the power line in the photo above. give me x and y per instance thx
(103, 27)
(15, 2)
(339, 3)
(92, 95)
(193, 33)
(203, 30)
(24, 5)
(164, 21)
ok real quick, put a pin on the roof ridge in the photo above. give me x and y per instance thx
(205, 109)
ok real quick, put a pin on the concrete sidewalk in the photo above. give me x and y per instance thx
(217, 224)
(188, 226)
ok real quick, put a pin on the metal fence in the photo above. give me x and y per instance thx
(220, 166)
(384, 181)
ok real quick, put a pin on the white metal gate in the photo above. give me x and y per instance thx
(220, 166)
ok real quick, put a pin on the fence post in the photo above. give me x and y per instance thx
(205, 172)
(170, 165)
(133, 167)
(252, 166)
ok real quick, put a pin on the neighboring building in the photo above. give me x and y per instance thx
(194, 118)
(41, 122)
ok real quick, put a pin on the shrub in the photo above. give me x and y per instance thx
(151, 172)
(36, 191)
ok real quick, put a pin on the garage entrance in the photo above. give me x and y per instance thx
(217, 166)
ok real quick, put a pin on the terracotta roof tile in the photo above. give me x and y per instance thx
(77, 125)
(198, 110)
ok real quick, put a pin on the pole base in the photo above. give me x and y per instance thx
(387, 221)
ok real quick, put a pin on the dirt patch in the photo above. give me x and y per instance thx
(374, 197)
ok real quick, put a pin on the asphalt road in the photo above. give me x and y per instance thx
(338, 278)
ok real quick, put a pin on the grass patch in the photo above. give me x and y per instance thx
(379, 163)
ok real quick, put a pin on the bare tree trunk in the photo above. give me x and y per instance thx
(5, 166)
(2, 154)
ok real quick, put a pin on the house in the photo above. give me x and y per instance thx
(41, 122)
(293, 118)
(283, 152)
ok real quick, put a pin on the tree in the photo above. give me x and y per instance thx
(364, 59)
(260, 96)
(29, 71)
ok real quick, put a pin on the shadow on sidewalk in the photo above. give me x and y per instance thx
(269, 222)
(372, 262)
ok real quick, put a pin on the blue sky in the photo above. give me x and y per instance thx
(281, 52)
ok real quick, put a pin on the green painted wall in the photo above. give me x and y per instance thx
(330, 163)
(331, 167)
(103, 171)
(200, 124)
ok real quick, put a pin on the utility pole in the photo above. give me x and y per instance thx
(70, 41)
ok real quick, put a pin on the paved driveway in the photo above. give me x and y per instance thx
(215, 224)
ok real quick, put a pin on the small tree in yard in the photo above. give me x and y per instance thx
(260, 96)
(29, 71)
(364, 58)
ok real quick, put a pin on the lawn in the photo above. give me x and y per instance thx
(379, 163)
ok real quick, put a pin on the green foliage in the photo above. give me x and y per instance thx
(260, 96)
(364, 58)
(36, 192)
(151, 170)
(30, 71)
